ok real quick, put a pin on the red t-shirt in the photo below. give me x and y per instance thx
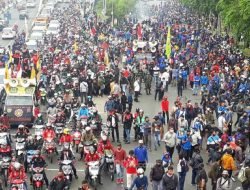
(120, 155)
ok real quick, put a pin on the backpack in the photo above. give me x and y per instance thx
(242, 175)
(184, 166)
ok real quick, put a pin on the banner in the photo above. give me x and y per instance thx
(168, 44)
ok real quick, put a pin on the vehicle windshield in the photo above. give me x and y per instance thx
(19, 101)
(6, 30)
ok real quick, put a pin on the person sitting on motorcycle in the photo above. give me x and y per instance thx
(66, 137)
(85, 185)
(36, 111)
(39, 120)
(104, 144)
(49, 132)
(39, 162)
(84, 111)
(92, 156)
(75, 103)
(97, 117)
(17, 172)
(5, 120)
(60, 182)
(60, 117)
(22, 132)
(90, 102)
(7, 137)
(67, 98)
(88, 136)
(67, 154)
(30, 145)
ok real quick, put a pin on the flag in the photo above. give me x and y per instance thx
(33, 73)
(139, 32)
(168, 44)
(7, 66)
(75, 47)
(38, 65)
(106, 58)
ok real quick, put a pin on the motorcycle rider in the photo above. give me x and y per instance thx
(66, 137)
(60, 182)
(88, 136)
(17, 172)
(67, 98)
(90, 102)
(39, 120)
(60, 117)
(39, 161)
(67, 154)
(5, 120)
(3, 130)
(30, 145)
(92, 156)
(22, 132)
(49, 132)
(84, 111)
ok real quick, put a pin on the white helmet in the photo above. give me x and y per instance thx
(17, 165)
(20, 126)
(104, 137)
(140, 171)
(87, 128)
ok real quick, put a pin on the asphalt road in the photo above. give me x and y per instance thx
(32, 12)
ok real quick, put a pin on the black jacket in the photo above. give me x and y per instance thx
(157, 173)
(57, 184)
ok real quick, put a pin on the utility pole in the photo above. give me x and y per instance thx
(112, 14)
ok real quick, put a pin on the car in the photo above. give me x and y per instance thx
(38, 29)
(23, 14)
(8, 33)
(31, 4)
(32, 45)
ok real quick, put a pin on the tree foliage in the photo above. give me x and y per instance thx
(120, 7)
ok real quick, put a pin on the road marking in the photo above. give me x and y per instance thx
(52, 169)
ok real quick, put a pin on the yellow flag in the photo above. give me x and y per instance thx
(33, 73)
(75, 46)
(106, 58)
(7, 66)
(38, 65)
(168, 44)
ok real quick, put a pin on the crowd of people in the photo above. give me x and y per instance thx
(90, 58)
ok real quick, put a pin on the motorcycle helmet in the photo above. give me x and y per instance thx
(83, 105)
(20, 126)
(66, 131)
(89, 97)
(140, 172)
(88, 129)
(17, 165)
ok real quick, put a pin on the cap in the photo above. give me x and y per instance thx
(225, 172)
(140, 141)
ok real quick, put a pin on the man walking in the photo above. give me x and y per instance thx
(156, 175)
(84, 91)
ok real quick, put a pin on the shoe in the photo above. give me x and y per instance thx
(118, 181)
(127, 142)
(121, 181)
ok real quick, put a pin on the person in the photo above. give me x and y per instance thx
(170, 179)
(130, 163)
(66, 137)
(92, 156)
(224, 182)
(141, 154)
(165, 108)
(17, 172)
(5, 120)
(214, 173)
(67, 154)
(39, 120)
(127, 124)
(137, 89)
(182, 169)
(246, 184)
(112, 121)
(39, 161)
(228, 163)
(49, 132)
(104, 144)
(201, 179)
(180, 84)
(83, 90)
(186, 145)
(141, 181)
(196, 160)
(84, 111)
(109, 105)
(157, 131)
(120, 156)
(146, 126)
(22, 132)
(138, 121)
(87, 136)
(85, 185)
(156, 175)
(170, 139)
(60, 182)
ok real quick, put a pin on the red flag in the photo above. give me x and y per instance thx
(139, 32)
(93, 31)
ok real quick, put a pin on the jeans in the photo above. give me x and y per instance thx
(157, 185)
(115, 131)
(165, 114)
(124, 87)
(182, 176)
(157, 139)
(195, 89)
(194, 174)
(127, 132)
(170, 150)
(83, 97)
(147, 140)
(119, 171)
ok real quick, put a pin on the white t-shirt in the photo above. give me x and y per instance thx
(221, 122)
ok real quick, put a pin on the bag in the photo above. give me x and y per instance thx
(184, 166)
(242, 175)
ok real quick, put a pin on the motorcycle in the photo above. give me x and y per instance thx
(67, 169)
(30, 155)
(86, 146)
(43, 96)
(94, 126)
(84, 121)
(4, 166)
(59, 130)
(109, 161)
(77, 138)
(37, 179)
(50, 148)
(20, 149)
(94, 168)
(68, 111)
(38, 131)
(17, 184)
